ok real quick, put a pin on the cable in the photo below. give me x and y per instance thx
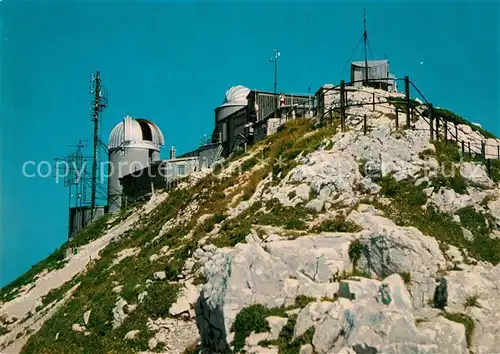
(354, 51)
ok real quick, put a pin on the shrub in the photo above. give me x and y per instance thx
(471, 301)
(355, 251)
(248, 164)
(337, 224)
(161, 295)
(406, 276)
(302, 300)
(3, 330)
(286, 343)
(287, 217)
(250, 319)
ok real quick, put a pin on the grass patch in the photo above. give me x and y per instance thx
(466, 321)
(400, 103)
(253, 319)
(248, 164)
(286, 343)
(406, 276)
(471, 301)
(406, 210)
(287, 217)
(338, 224)
(448, 156)
(455, 118)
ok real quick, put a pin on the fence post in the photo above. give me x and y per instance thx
(342, 105)
(364, 124)
(463, 147)
(470, 152)
(397, 120)
(445, 130)
(437, 128)
(407, 94)
(431, 121)
(456, 133)
(373, 101)
(498, 151)
(483, 149)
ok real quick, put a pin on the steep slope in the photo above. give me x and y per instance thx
(315, 240)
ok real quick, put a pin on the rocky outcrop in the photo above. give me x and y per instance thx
(376, 317)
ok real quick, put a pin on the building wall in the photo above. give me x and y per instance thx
(121, 163)
(327, 98)
(209, 154)
(79, 217)
(157, 176)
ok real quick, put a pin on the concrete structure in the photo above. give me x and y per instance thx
(158, 175)
(166, 173)
(378, 74)
(81, 216)
(133, 145)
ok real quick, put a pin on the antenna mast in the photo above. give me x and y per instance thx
(98, 105)
(365, 39)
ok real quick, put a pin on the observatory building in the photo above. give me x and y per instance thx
(246, 115)
(133, 145)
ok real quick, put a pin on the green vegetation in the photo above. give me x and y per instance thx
(3, 330)
(286, 343)
(406, 276)
(448, 156)
(406, 210)
(495, 170)
(58, 293)
(355, 252)
(248, 164)
(338, 224)
(56, 260)
(400, 103)
(253, 319)
(471, 301)
(287, 217)
(402, 191)
(454, 118)
(466, 321)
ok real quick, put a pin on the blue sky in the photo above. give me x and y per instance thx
(172, 62)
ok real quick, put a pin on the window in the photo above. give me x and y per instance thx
(181, 170)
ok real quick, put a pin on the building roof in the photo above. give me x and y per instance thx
(371, 63)
(236, 96)
(135, 131)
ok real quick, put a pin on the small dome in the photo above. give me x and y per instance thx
(236, 96)
(136, 132)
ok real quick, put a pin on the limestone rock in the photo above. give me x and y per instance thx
(119, 314)
(306, 349)
(187, 298)
(160, 275)
(476, 174)
(276, 324)
(78, 328)
(132, 334)
(86, 317)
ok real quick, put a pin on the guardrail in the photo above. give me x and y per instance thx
(439, 127)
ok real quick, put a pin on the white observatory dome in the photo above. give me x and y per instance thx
(236, 96)
(136, 132)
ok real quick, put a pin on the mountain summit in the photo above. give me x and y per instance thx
(374, 238)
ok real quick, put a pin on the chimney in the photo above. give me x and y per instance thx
(172, 153)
